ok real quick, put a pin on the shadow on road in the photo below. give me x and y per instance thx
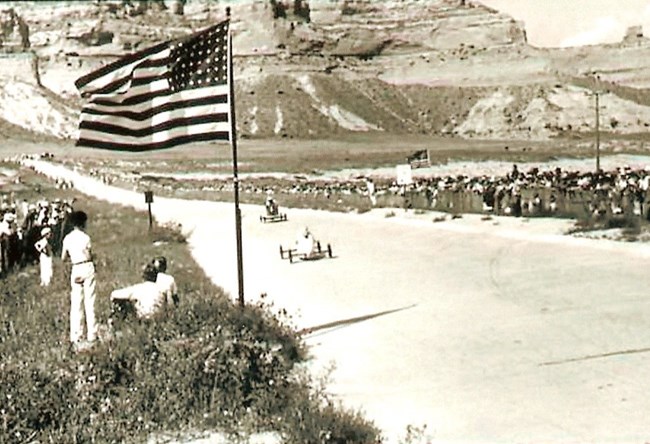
(345, 322)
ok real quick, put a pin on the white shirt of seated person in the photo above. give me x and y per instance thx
(166, 282)
(146, 296)
(167, 285)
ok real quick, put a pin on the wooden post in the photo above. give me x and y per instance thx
(148, 198)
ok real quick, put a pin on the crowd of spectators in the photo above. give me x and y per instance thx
(535, 192)
(21, 225)
(622, 191)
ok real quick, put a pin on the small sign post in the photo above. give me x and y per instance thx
(404, 175)
(148, 199)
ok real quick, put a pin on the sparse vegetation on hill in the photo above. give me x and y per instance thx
(433, 67)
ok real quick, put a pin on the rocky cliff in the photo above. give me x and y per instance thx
(322, 68)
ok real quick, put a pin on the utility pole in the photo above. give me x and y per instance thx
(597, 93)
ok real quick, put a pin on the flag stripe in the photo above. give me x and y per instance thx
(135, 95)
(173, 93)
(219, 103)
(100, 139)
(155, 137)
(140, 146)
(153, 128)
(157, 93)
(125, 64)
(154, 98)
(121, 81)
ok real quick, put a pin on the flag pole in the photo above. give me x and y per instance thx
(233, 144)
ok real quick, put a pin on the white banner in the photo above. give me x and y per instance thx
(404, 176)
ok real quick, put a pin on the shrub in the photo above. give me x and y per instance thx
(168, 233)
(581, 225)
(279, 9)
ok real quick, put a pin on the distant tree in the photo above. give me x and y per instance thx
(301, 9)
(279, 9)
(348, 9)
(178, 7)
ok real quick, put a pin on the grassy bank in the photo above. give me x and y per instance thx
(209, 365)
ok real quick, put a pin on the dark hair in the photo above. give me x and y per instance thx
(78, 219)
(149, 273)
(160, 263)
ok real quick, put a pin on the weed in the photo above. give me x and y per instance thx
(416, 435)
(581, 225)
(168, 233)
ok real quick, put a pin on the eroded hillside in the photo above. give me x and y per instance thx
(322, 68)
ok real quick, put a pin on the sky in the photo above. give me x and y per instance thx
(562, 23)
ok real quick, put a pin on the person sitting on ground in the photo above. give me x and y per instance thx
(166, 282)
(305, 243)
(146, 297)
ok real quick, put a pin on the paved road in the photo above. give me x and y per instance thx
(504, 332)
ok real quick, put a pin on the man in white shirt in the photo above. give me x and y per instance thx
(77, 246)
(147, 297)
(370, 185)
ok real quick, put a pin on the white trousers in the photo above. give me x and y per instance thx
(82, 301)
(46, 269)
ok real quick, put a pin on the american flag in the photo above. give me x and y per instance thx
(170, 94)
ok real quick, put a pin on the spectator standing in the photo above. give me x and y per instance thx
(4, 236)
(9, 241)
(370, 186)
(77, 246)
(44, 249)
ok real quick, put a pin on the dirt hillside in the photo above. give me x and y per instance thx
(320, 68)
